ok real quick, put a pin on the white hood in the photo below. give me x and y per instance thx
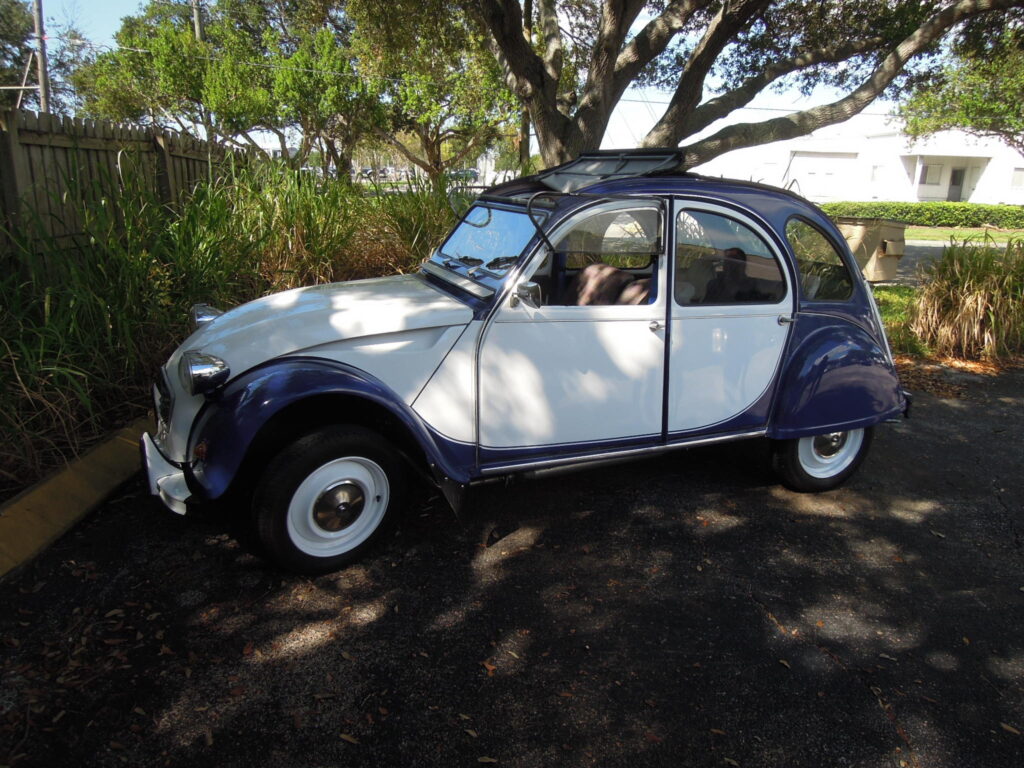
(396, 328)
(292, 321)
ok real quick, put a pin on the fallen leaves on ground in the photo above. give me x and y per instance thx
(926, 376)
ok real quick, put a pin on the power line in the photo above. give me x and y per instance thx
(648, 102)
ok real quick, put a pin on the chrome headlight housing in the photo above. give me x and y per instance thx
(201, 373)
(200, 314)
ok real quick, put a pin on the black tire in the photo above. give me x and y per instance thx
(327, 498)
(821, 463)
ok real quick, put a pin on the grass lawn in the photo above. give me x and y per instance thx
(895, 303)
(944, 234)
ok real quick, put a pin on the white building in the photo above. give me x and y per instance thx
(869, 158)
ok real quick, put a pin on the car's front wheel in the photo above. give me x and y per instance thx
(327, 497)
(822, 462)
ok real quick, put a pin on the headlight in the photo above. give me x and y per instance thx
(201, 373)
(200, 314)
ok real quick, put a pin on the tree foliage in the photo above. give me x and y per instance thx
(258, 65)
(15, 46)
(981, 92)
(714, 56)
(439, 84)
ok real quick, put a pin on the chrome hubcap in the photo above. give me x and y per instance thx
(339, 506)
(829, 445)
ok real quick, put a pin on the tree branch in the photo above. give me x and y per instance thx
(652, 40)
(504, 20)
(801, 123)
(552, 37)
(402, 149)
(720, 106)
(730, 19)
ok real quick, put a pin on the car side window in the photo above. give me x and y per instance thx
(608, 257)
(722, 261)
(823, 273)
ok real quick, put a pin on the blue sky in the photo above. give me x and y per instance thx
(97, 19)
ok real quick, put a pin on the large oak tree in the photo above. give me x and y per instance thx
(578, 58)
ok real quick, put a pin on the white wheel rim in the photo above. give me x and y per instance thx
(349, 473)
(825, 456)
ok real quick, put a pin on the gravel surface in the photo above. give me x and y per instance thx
(685, 611)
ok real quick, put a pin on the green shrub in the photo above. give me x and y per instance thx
(933, 214)
(84, 328)
(971, 301)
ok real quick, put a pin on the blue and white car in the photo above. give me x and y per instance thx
(609, 308)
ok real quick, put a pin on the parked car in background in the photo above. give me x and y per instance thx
(469, 175)
(607, 309)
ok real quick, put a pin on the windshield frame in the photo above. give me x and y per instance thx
(479, 280)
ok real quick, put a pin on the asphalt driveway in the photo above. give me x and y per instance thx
(686, 611)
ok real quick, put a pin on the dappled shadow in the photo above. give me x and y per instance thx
(681, 611)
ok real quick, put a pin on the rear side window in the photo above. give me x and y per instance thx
(823, 274)
(721, 261)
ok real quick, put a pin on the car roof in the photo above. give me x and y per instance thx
(656, 172)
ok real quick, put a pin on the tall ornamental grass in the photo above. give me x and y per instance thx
(87, 320)
(971, 301)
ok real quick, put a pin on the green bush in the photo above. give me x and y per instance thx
(934, 214)
(971, 301)
(84, 329)
(897, 305)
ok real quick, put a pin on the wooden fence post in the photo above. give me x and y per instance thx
(14, 172)
(165, 168)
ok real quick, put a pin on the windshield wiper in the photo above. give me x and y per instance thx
(463, 261)
(502, 261)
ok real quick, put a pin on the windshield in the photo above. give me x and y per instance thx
(489, 237)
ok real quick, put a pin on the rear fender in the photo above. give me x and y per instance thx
(836, 377)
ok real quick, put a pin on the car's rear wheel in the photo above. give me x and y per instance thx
(328, 497)
(822, 462)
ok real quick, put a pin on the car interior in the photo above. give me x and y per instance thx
(605, 259)
(722, 261)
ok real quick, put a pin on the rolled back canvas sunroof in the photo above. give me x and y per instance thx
(592, 167)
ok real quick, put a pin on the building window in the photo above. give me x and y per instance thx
(1018, 178)
(930, 174)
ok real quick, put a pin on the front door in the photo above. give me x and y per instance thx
(585, 368)
(731, 305)
(956, 185)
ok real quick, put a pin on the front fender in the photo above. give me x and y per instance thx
(836, 377)
(227, 426)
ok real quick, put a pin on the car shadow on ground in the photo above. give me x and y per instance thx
(681, 611)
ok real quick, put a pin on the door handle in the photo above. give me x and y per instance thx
(656, 325)
(786, 320)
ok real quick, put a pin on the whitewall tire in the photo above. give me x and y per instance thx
(327, 497)
(821, 462)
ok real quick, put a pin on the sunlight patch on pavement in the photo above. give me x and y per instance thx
(488, 560)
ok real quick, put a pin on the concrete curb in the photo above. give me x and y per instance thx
(33, 520)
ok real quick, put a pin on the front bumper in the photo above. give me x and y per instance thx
(165, 479)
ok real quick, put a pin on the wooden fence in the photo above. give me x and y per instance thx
(52, 166)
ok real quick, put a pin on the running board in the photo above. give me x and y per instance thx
(561, 465)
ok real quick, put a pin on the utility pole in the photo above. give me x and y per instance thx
(197, 21)
(44, 80)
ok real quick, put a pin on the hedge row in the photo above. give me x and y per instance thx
(934, 214)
